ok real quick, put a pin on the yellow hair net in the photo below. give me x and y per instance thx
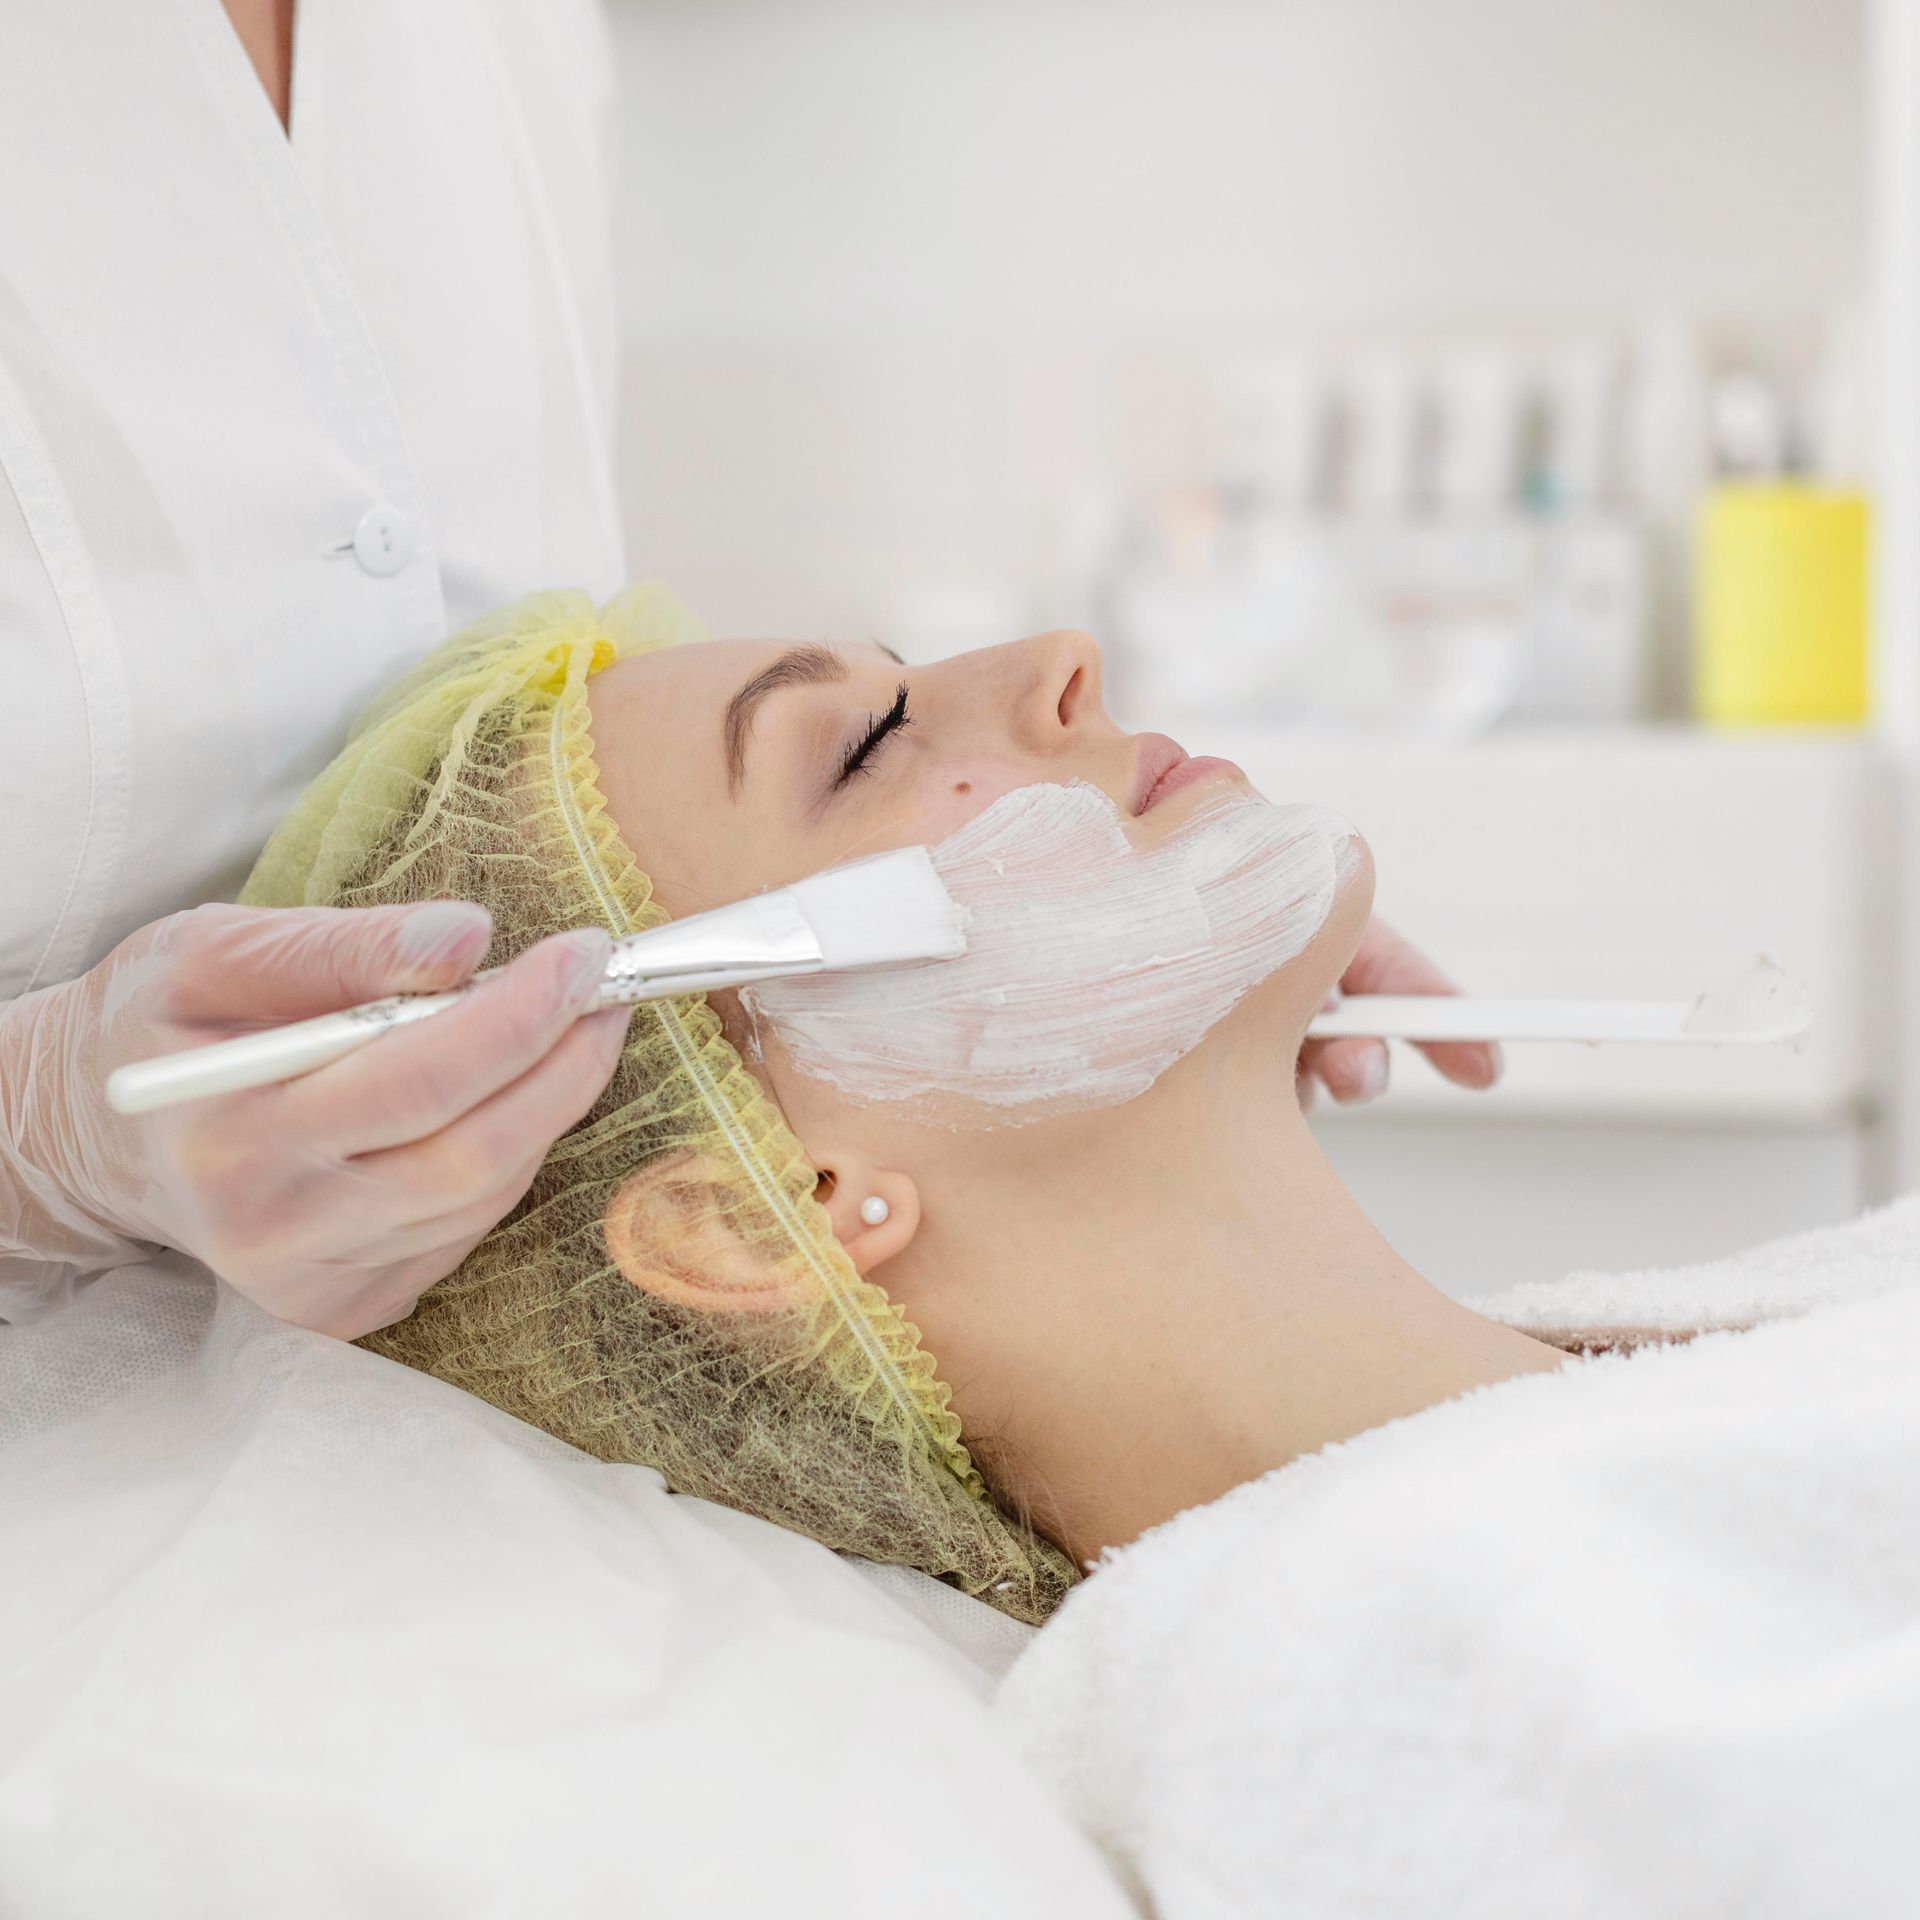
(754, 1367)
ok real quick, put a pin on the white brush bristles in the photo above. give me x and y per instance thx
(882, 911)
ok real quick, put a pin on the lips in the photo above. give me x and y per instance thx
(1165, 768)
(1159, 756)
(1189, 773)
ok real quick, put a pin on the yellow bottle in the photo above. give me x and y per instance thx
(1780, 606)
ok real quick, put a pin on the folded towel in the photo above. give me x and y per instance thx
(1637, 1638)
(1876, 1254)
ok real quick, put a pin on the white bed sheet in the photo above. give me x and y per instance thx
(285, 1628)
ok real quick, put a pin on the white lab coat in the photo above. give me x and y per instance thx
(275, 413)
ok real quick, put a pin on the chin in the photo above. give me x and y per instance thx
(1353, 904)
(1275, 1015)
(1330, 952)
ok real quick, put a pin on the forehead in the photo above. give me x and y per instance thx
(667, 709)
(679, 697)
(658, 725)
(675, 686)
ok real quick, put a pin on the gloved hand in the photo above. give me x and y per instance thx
(334, 1200)
(1355, 1070)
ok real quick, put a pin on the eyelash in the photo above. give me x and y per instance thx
(859, 756)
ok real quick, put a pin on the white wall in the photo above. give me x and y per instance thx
(1482, 1207)
(1895, 66)
(1095, 172)
(901, 276)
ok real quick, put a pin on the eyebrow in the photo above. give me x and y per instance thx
(797, 667)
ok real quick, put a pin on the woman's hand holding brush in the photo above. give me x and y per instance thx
(334, 1200)
(1355, 1069)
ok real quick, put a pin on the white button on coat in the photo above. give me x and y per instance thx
(225, 354)
(383, 541)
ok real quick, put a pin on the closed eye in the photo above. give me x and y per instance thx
(859, 757)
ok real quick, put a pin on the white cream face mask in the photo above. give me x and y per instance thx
(1092, 965)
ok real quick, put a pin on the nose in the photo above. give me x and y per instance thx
(1058, 689)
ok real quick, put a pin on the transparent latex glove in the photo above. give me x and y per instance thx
(334, 1200)
(1355, 1070)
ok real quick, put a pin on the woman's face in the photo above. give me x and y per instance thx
(765, 761)
(738, 765)
(733, 766)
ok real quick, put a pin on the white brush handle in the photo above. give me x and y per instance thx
(285, 1053)
(1463, 1017)
(889, 909)
(759, 939)
(259, 1059)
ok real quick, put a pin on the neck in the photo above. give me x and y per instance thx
(1195, 1300)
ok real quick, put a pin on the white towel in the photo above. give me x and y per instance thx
(1638, 1638)
(1874, 1255)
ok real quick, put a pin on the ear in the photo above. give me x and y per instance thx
(848, 1180)
(668, 1233)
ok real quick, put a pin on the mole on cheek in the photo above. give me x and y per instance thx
(963, 786)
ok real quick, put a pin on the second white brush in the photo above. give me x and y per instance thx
(888, 910)
(1763, 1006)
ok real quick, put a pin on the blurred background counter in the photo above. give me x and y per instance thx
(1642, 862)
(1467, 413)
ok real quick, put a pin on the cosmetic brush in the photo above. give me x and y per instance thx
(887, 910)
(1763, 1006)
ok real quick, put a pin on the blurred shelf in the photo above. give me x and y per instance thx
(1628, 862)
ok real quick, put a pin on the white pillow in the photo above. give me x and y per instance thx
(286, 1628)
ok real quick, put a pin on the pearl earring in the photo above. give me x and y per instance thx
(874, 1211)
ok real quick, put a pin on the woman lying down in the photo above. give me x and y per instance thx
(995, 1266)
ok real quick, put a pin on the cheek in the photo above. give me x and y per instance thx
(700, 854)
(686, 879)
(957, 790)
(1091, 966)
